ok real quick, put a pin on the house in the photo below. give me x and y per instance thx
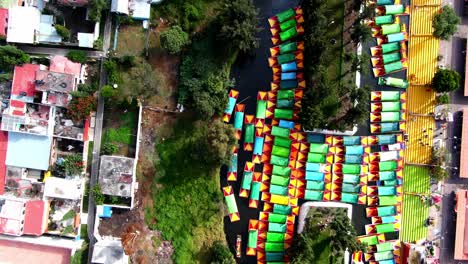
(137, 9)
(3, 21)
(117, 178)
(23, 24)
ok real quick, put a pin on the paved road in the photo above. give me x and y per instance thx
(57, 51)
(97, 141)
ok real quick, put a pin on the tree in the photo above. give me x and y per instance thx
(445, 80)
(238, 25)
(95, 9)
(220, 142)
(107, 91)
(11, 56)
(445, 23)
(220, 254)
(443, 99)
(79, 56)
(79, 108)
(174, 39)
(361, 33)
(63, 32)
(139, 81)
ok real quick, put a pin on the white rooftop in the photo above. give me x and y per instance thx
(23, 24)
(63, 188)
(109, 252)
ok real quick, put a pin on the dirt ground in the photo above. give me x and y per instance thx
(142, 244)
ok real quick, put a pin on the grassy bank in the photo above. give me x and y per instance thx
(187, 201)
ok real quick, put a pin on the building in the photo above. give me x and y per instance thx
(117, 178)
(109, 252)
(23, 24)
(461, 235)
(3, 21)
(35, 136)
(137, 9)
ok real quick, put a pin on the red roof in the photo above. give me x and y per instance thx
(3, 151)
(17, 113)
(34, 219)
(17, 103)
(64, 65)
(3, 21)
(22, 252)
(23, 79)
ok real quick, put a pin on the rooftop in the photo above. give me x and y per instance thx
(36, 217)
(64, 65)
(23, 24)
(28, 151)
(28, 118)
(3, 21)
(65, 127)
(20, 252)
(11, 216)
(23, 86)
(54, 81)
(109, 252)
(63, 188)
(116, 176)
(3, 151)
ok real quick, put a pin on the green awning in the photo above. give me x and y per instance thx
(394, 66)
(288, 48)
(286, 14)
(282, 171)
(390, 47)
(390, 29)
(380, 20)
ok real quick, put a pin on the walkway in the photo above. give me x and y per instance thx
(422, 58)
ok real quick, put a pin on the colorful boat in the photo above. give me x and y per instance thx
(231, 203)
(285, 48)
(388, 48)
(394, 82)
(397, 10)
(238, 246)
(284, 16)
(233, 95)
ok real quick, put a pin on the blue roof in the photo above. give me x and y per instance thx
(106, 212)
(28, 151)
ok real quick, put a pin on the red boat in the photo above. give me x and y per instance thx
(238, 246)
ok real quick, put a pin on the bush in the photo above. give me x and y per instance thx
(68, 215)
(95, 9)
(63, 32)
(109, 148)
(97, 195)
(10, 56)
(79, 56)
(174, 39)
(97, 44)
(445, 23)
(111, 68)
(107, 91)
(445, 80)
(73, 164)
(80, 108)
(443, 99)
(87, 89)
(220, 254)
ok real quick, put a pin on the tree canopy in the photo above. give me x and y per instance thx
(327, 234)
(77, 56)
(238, 24)
(446, 80)
(11, 56)
(445, 23)
(174, 39)
(220, 254)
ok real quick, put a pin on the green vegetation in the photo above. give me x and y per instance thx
(238, 25)
(188, 208)
(174, 39)
(83, 102)
(445, 23)
(95, 9)
(97, 195)
(69, 165)
(109, 148)
(134, 77)
(107, 91)
(69, 215)
(10, 56)
(446, 80)
(188, 14)
(327, 234)
(204, 72)
(119, 135)
(220, 254)
(77, 56)
(81, 255)
(63, 32)
(443, 99)
(327, 102)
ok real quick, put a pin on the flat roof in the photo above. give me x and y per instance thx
(3, 151)
(28, 151)
(3, 21)
(461, 234)
(64, 65)
(116, 175)
(466, 69)
(11, 216)
(17, 252)
(109, 252)
(23, 24)
(54, 81)
(140, 9)
(464, 144)
(23, 81)
(36, 217)
(63, 188)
